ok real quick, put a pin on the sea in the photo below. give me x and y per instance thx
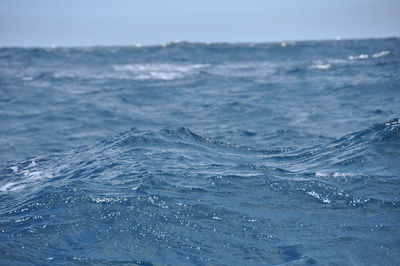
(283, 153)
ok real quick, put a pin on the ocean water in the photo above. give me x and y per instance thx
(195, 153)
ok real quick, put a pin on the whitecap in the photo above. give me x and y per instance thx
(358, 57)
(161, 71)
(107, 200)
(22, 220)
(380, 54)
(32, 164)
(319, 197)
(337, 61)
(284, 44)
(321, 66)
(334, 174)
(321, 174)
(14, 168)
(7, 186)
(338, 174)
(12, 186)
(32, 175)
(393, 122)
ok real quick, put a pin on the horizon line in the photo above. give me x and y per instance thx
(174, 42)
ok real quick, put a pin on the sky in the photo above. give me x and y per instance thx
(147, 22)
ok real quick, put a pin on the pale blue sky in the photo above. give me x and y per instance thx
(127, 22)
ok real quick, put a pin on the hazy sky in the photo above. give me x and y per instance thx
(126, 22)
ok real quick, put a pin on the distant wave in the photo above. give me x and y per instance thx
(158, 71)
(171, 71)
(380, 54)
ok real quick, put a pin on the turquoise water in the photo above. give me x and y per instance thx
(193, 153)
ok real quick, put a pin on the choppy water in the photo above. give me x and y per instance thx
(191, 153)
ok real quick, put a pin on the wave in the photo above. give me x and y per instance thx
(321, 66)
(369, 151)
(297, 190)
(358, 57)
(154, 71)
(127, 67)
(159, 71)
(176, 151)
(178, 191)
(380, 54)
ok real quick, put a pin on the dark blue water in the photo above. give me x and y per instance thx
(193, 153)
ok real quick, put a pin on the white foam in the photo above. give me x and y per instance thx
(320, 66)
(337, 61)
(335, 174)
(358, 57)
(380, 54)
(32, 164)
(394, 122)
(22, 220)
(7, 187)
(158, 75)
(32, 175)
(107, 200)
(13, 186)
(157, 71)
(321, 174)
(161, 71)
(318, 196)
(28, 177)
(284, 44)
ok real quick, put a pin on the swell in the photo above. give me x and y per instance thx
(370, 151)
(143, 193)
(133, 160)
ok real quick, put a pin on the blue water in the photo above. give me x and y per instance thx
(194, 153)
